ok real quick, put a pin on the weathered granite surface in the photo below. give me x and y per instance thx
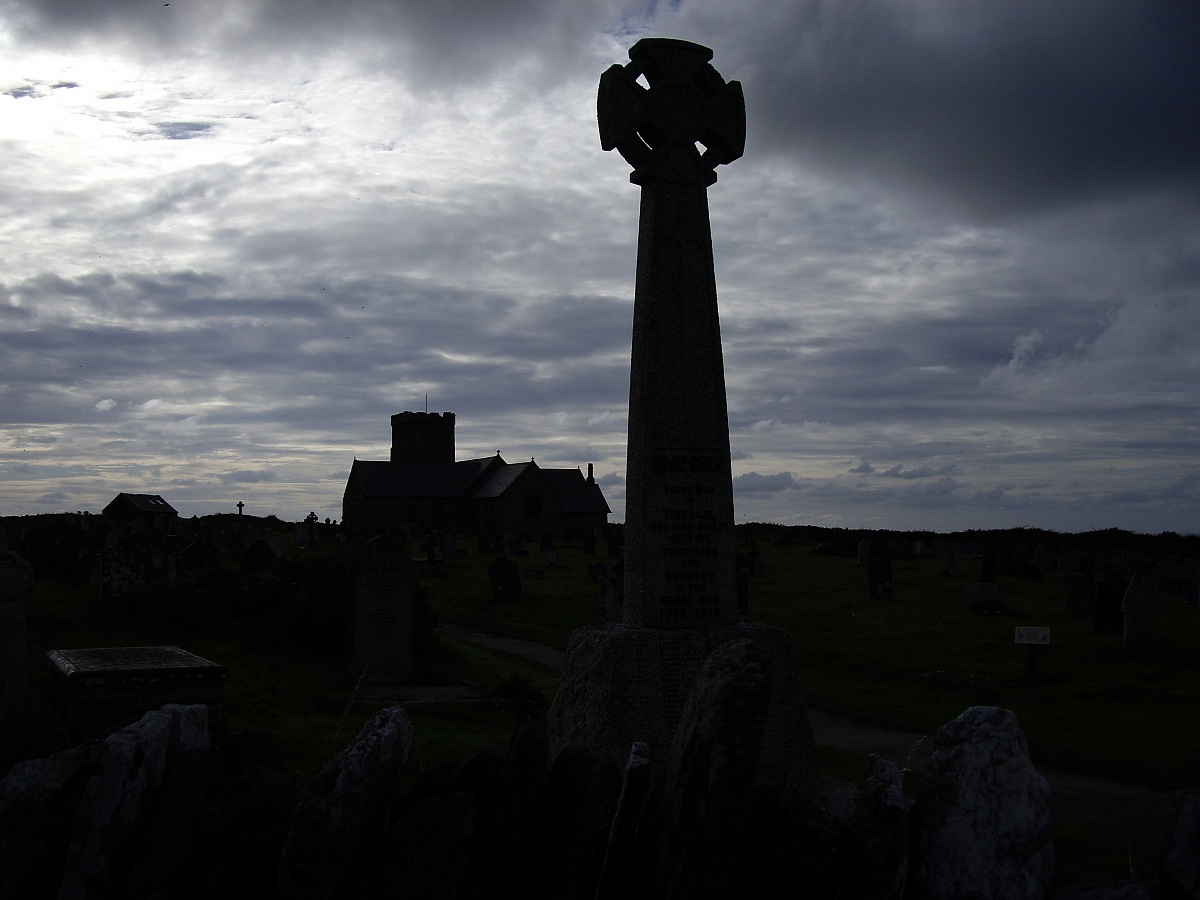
(986, 813)
(117, 799)
(349, 799)
(620, 685)
(707, 787)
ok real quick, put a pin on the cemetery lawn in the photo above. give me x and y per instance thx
(914, 663)
(910, 664)
(291, 683)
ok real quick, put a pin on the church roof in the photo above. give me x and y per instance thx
(389, 479)
(132, 504)
(576, 493)
(501, 478)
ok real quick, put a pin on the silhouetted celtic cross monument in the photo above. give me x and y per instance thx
(680, 567)
(627, 685)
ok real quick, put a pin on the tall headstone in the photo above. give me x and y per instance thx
(1110, 592)
(680, 566)
(626, 683)
(1080, 590)
(1140, 609)
(383, 612)
(16, 579)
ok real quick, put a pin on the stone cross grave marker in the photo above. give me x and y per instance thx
(680, 563)
(1140, 608)
(383, 612)
(673, 117)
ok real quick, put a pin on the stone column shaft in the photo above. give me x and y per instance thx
(680, 568)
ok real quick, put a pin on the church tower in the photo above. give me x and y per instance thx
(423, 437)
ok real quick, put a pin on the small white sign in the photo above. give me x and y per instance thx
(1029, 634)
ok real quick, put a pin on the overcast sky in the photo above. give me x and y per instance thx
(958, 266)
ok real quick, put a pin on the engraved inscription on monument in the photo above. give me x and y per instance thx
(690, 536)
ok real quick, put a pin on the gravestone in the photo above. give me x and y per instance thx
(988, 567)
(101, 689)
(614, 544)
(1110, 591)
(949, 564)
(199, 560)
(1043, 557)
(626, 683)
(612, 590)
(308, 532)
(1081, 594)
(505, 580)
(258, 558)
(125, 567)
(384, 586)
(16, 578)
(1140, 608)
(879, 579)
(489, 542)
(983, 597)
(449, 544)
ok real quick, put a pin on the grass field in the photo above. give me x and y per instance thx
(919, 660)
(912, 663)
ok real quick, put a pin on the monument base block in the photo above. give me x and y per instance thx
(622, 684)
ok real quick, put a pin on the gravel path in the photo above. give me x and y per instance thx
(1128, 819)
(535, 652)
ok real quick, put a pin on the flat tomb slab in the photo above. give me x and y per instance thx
(102, 689)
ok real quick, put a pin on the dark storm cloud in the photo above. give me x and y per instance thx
(183, 131)
(753, 482)
(1004, 107)
(441, 45)
(958, 265)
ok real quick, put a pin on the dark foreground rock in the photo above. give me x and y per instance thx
(153, 812)
(345, 809)
(985, 829)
